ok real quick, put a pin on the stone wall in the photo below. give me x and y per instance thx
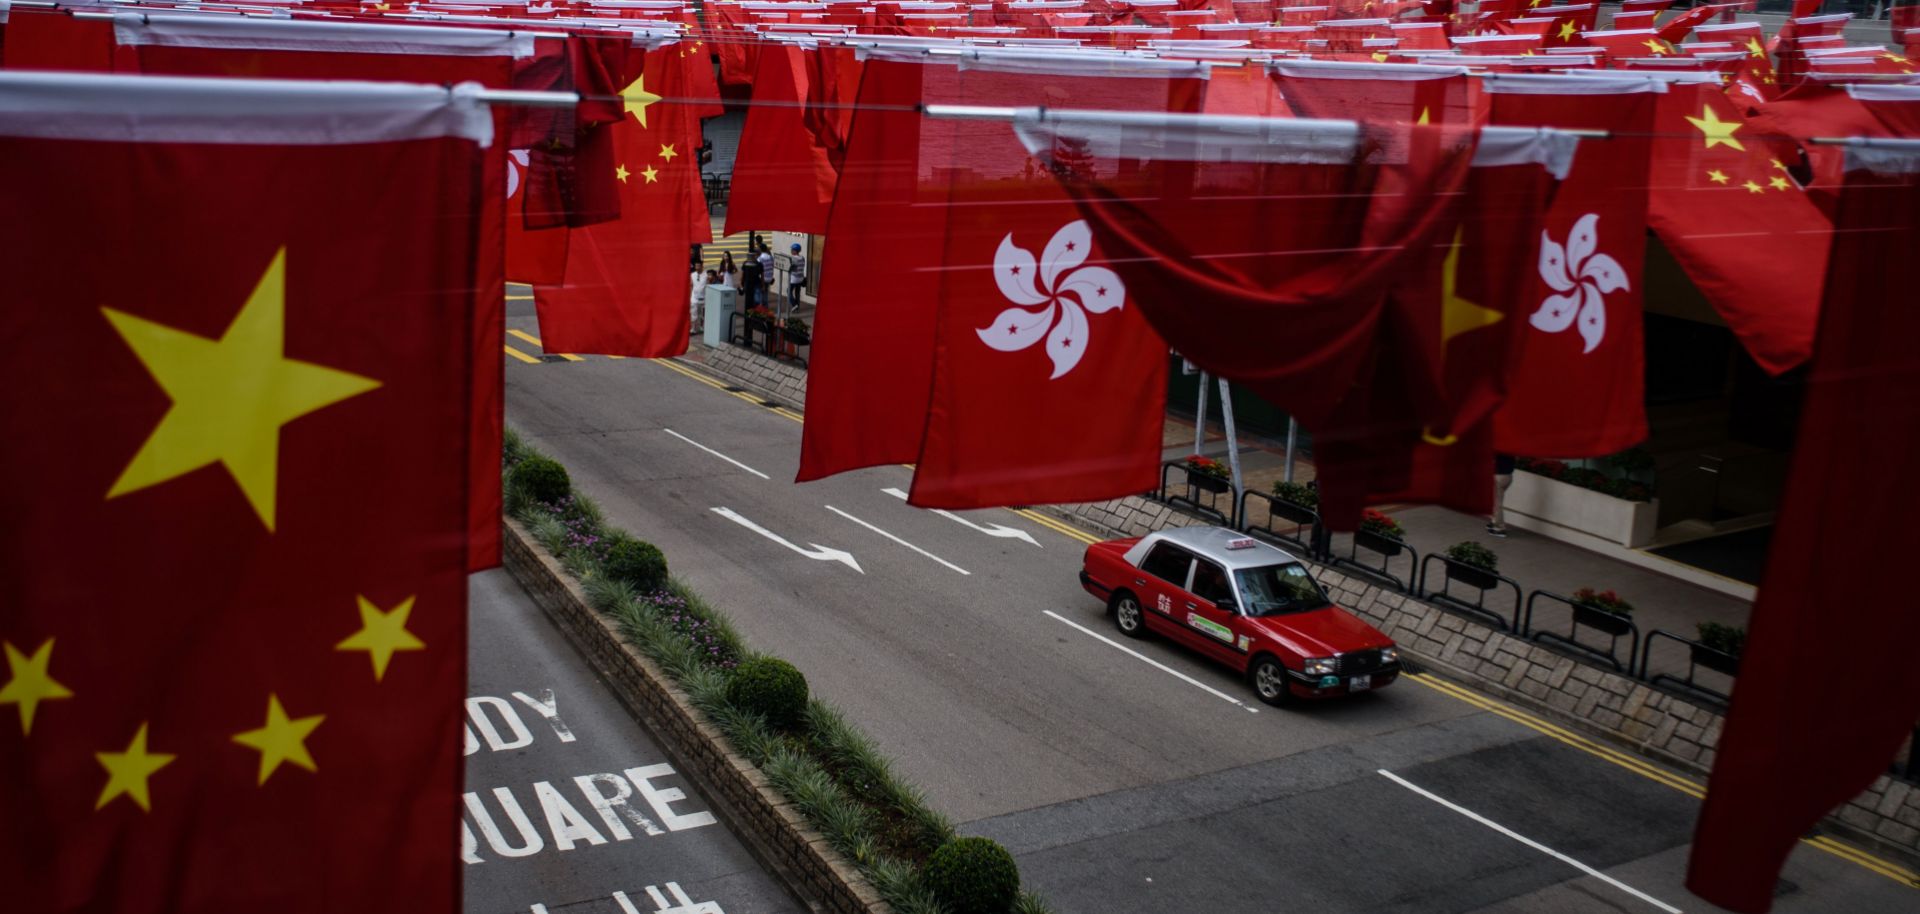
(776, 831)
(1617, 708)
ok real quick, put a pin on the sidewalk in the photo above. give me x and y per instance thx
(1660, 601)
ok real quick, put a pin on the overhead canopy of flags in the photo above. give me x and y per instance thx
(1420, 226)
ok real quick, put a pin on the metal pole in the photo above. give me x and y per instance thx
(1293, 437)
(1233, 441)
(1200, 415)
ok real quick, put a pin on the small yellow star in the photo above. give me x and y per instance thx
(231, 396)
(1893, 57)
(1778, 164)
(1753, 188)
(621, 172)
(650, 174)
(1717, 176)
(1778, 183)
(382, 634)
(636, 98)
(31, 683)
(1655, 45)
(666, 152)
(1380, 56)
(127, 772)
(1717, 131)
(1567, 30)
(1754, 48)
(280, 739)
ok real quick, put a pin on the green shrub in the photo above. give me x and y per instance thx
(541, 479)
(638, 563)
(1727, 639)
(1474, 554)
(1297, 493)
(770, 687)
(973, 876)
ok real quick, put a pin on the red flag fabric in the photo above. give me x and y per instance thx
(1679, 27)
(1578, 382)
(782, 178)
(55, 39)
(1786, 759)
(626, 287)
(1738, 223)
(1048, 387)
(1379, 93)
(277, 656)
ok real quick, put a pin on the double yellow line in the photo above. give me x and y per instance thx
(1650, 771)
(704, 378)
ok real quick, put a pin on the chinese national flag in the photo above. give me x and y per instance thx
(1791, 754)
(250, 367)
(782, 177)
(1738, 223)
(1376, 93)
(625, 291)
(1577, 388)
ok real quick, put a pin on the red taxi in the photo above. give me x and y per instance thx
(1243, 603)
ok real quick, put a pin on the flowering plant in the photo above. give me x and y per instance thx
(1474, 554)
(1298, 493)
(708, 644)
(1205, 466)
(1603, 600)
(1374, 522)
(796, 325)
(758, 312)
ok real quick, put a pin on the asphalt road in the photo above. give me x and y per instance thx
(605, 825)
(1137, 779)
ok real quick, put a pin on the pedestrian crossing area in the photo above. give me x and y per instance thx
(723, 244)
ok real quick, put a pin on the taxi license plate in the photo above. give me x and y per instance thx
(1359, 683)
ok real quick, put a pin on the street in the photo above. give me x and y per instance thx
(1124, 776)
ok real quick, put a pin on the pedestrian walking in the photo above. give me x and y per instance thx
(796, 275)
(750, 286)
(695, 260)
(729, 274)
(1502, 478)
(765, 260)
(697, 316)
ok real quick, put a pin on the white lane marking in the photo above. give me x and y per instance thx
(988, 529)
(1155, 663)
(716, 453)
(818, 551)
(539, 909)
(1523, 839)
(898, 540)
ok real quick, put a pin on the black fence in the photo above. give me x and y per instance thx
(1384, 549)
(1194, 486)
(1582, 617)
(767, 337)
(1477, 583)
(1699, 657)
(1298, 525)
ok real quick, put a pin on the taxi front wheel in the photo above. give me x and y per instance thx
(1126, 615)
(1269, 680)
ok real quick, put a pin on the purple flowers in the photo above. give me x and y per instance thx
(703, 634)
(583, 532)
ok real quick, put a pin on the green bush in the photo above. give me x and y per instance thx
(770, 687)
(973, 876)
(638, 563)
(1297, 493)
(1474, 554)
(1727, 639)
(541, 479)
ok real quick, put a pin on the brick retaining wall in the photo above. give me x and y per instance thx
(797, 854)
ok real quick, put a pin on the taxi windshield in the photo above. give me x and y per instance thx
(1274, 589)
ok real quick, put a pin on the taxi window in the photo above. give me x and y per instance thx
(1210, 582)
(1168, 563)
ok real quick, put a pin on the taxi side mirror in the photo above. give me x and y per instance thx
(1226, 603)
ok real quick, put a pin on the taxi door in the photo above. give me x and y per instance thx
(1217, 629)
(1162, 585)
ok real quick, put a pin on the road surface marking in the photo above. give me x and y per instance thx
(521, 355)
(898, 540)
(528, 337)
(716, 453)
(1155, 663)
(1523, 839)
(1054, 525)
(818, 552)
(988, 529)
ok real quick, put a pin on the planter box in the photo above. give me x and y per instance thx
(1477, 578)
(1292, 511)
(1596, 618)
(1207, 483)
(1716, 660)
(1385, 545)
(1615, 520)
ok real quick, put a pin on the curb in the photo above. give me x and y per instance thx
(772, 828)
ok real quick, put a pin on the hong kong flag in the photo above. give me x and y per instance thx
(251, 369)
(1577, 384)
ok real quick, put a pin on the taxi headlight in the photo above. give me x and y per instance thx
(1320, 666)
(1389, 655)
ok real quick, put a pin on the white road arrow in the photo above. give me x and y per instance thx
(988, 529)
(818, 552)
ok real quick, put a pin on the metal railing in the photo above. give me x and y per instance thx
(1475, 577)
(1195, 484)
(1581, 616)
(1301, 524)
(1698, 655)
(1387, 548)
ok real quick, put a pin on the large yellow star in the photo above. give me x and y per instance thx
(650, 173)
(637, 98)
(1458, 315)
(1658, 47)
(1717, 176)
(1754, 49)
(1567, 30)
(621, 172)
(667, 152)
(30, 684)
(127, 772)
(230, 395)
(280, 739)
(382, 634)
(1717, 131)
(1425, 116)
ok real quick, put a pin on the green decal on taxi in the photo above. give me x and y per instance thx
(1210, 627)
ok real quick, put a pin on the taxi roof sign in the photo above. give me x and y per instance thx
(1245, 542)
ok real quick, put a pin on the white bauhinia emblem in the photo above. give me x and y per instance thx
(1583, 280)
(1059, 285)
(516, 163)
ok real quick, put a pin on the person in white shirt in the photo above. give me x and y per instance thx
(796, 275)
(698, 305)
